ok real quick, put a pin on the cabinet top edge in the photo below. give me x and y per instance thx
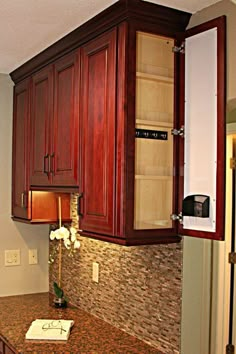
(122, 10)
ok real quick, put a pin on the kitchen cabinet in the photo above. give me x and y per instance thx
(29, 206)
(4, 348)
(135, 162)
(54, 130)
(137, 131)
(98, 130)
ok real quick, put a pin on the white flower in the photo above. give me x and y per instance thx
(76, 244)
(67, 243)
(63, 233)
(52, 235)
(73, 231)
(70, 240)
(73, 238)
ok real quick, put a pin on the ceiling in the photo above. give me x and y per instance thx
(29, 26)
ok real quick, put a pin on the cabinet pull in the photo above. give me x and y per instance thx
(44, 164)
(78, 204)
(22, 200)
(50, 163)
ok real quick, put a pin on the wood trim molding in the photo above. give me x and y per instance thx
(122, 10)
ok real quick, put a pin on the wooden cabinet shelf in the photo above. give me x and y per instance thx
(154, 124)
(158, 78)
(149, 224)
(153, 177)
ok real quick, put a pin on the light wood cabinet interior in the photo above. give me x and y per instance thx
(154, 111)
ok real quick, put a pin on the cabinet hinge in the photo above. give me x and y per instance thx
(180, 49)
(179, 132)
(232, 257)
(177, 217)
(233, 163)
(230, 349)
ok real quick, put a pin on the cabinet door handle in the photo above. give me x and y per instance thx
(23, 204)
(50, 163)
(22, 200)
(44, 164)
(78, 204)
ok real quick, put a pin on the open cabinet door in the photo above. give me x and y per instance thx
(202, 160)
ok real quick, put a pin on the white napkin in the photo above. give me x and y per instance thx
(49, 329)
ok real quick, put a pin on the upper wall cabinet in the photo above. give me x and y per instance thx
(151, 126)
(29, 206)
(54, 130)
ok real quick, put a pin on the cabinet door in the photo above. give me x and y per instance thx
(64, 146)
(8, 350)
(1, 346)
(98, 89)
(20, 153)
(202, 185)
(41, 114)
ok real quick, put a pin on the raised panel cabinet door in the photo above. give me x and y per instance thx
(64, 152)
(98, 115)
(1, 346)
(20, 153)
(41, 115)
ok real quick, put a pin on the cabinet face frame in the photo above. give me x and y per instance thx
(148, 236)
(218, 234)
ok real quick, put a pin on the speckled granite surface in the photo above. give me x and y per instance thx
(89, 334)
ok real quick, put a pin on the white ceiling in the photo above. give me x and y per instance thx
(29, 26)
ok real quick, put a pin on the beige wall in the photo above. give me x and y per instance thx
(24, 278)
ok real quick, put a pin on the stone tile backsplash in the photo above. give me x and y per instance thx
(139, 289)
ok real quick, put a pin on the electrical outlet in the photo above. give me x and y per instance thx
(95, 275)
(33, 256)
(12, 257)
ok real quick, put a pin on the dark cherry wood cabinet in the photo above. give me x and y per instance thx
(20, 153)
(112, 118)
(137, 175)
(4, 348)
(41, 114)
(30, 206)
(98, 131)
(65, 123)
(54, 130)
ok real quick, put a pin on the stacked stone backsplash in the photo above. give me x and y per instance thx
(139, 289)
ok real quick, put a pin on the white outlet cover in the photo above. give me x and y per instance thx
(12, 258)
(33, 256)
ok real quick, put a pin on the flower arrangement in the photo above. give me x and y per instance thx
(68, 237)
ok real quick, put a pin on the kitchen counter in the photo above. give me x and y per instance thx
(89, 334)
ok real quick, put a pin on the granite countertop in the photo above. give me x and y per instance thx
(89, 334)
